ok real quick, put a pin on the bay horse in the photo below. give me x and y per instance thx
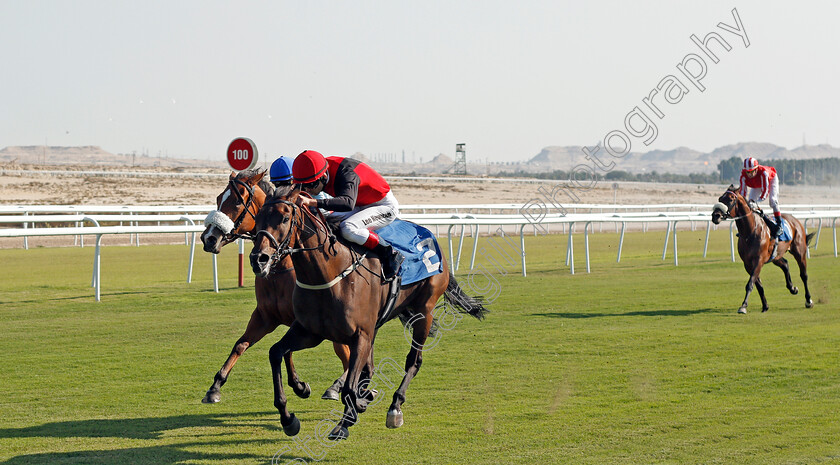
(237, 207)
(338, 297)
(756, 247)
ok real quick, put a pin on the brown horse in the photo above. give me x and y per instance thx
(339, 296)
(756, 247)
(237, 207)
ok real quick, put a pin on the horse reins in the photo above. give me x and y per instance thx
(282, 248)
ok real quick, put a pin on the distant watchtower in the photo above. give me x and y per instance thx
(460, 165)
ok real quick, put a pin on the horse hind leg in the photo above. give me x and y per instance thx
(257, 328)
(420, 326)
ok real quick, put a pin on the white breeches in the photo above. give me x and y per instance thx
(356, 224)
(772, 195)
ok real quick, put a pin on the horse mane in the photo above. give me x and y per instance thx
(266, 186)
(281, 192)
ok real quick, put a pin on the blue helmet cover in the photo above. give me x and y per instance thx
(281, 169)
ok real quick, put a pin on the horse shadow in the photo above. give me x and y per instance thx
(143, 429)
(578, 315)
(170, 454)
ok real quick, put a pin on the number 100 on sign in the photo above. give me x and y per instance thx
(242, 154)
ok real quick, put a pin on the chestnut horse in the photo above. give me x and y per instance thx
(237, 207)
(339, 296)
(756, 247)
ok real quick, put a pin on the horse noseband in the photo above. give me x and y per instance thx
(722, 208)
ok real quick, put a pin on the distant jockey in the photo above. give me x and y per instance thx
(361, 200)
(281, 172)
(760, 182)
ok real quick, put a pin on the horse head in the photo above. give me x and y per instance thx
(730, 205)
(236, 208)
(277, 224)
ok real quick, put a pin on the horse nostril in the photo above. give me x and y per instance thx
(262, 259)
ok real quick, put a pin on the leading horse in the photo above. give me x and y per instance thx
(757, 248)
(339, 296)
(237, 207)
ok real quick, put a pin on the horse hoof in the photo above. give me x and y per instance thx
(338, 433)
(361, 405)
(302, 393)
(794, 291)
(211, 397)
(394, 419)
(368, 394)
(331, 394)
(765, 309)
(809, 304)
(293, 427)
(742, 310)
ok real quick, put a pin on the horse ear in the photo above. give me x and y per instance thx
(731, 188)
(258, 177)
(232, 175)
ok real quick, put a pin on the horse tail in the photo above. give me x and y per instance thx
(808, 238)
(461, 301)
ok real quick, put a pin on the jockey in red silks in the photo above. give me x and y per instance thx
(758, 183)
(361, 200)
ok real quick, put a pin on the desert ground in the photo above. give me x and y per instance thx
(68, 185)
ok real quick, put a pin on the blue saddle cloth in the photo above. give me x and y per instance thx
(786, 232)
(419, 247)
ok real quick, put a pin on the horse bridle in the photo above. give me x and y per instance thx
(281, 248)
(232, 236)
(726, 214)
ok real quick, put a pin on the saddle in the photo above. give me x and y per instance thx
(772, 226)
(387, 310)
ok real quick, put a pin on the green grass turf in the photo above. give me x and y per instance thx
(637, 362)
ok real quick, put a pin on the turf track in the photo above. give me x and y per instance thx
(637, 362)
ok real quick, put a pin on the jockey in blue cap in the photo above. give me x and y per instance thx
(281, 171)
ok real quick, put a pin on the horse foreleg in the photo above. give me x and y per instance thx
(359, 356)
(803, 272)
(760, 288)
(749, 287)
(783, 264)
(296, 338)
(420, 328)
(256, 329)
(334, 391)
(300, 388)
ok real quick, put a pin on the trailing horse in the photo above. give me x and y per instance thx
(339, 296)
(237, 207)
(757, 248)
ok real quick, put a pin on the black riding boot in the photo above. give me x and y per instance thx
(775, 227)
(778, 232)
(391, 259)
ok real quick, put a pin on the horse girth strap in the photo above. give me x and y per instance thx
(317, 287)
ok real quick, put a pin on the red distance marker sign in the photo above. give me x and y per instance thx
(242, 154)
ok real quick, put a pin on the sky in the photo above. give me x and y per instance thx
(184, 78)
